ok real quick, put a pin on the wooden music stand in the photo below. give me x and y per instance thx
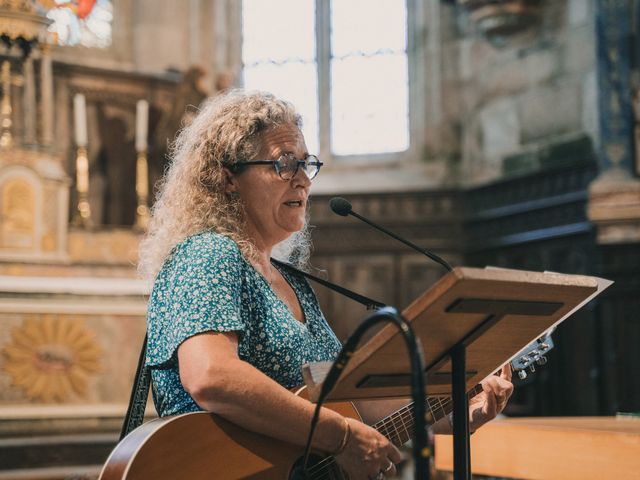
(470, 323)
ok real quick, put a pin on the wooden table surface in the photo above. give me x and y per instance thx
(552, 448)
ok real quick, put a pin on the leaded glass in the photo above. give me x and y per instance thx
(278, 54)
(369, 77)
(80, 22)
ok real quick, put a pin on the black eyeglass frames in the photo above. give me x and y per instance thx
(286, 166)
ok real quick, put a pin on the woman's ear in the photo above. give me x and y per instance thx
(230, 182)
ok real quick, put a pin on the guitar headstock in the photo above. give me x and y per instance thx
(533, 354)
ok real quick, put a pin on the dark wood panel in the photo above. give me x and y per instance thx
(532, 222)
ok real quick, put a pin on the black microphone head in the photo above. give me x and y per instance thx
(340, 206)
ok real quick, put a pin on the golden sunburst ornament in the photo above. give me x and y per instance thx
(52, 357)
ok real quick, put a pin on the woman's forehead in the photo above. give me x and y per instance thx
(282, 139)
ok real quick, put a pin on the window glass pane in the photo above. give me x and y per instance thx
(278, 30)
(369, 104)
(365, 26)
(295, 82)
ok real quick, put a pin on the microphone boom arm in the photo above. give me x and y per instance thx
(431, 255)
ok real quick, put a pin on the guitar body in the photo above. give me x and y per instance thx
(202, 445)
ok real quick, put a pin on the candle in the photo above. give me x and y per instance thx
(142, 123)
(80, 119)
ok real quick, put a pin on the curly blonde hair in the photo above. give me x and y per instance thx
(191, 197)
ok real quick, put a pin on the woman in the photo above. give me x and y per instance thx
(228, 331)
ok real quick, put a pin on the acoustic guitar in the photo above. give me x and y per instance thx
(202, 445)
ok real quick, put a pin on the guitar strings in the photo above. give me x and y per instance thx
(383, 427)
(405, 416)
(406, 413)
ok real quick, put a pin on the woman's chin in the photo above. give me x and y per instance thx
(293, 225)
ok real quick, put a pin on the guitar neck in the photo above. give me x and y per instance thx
(398, 427)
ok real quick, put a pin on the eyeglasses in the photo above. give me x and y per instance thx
(286, 166)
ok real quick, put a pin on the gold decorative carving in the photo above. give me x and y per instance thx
(6, 79)
(25, 6)
(49, 243)
(83, 211)
(142, 191)
(18, 18)
(501, 20)
(52, 357)
(18, 215)
(50, 219)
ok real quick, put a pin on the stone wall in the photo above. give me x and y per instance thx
(501, 102)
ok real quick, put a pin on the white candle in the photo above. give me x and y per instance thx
(80, 119)
(142, 124)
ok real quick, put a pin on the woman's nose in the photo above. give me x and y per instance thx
(301, 178)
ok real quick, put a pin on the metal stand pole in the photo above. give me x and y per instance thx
(461, 448)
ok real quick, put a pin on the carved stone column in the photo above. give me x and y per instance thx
(46, 89)
(614, 203)
(29, 103)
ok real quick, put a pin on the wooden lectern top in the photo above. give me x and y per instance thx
(569, 448)
(494, 312)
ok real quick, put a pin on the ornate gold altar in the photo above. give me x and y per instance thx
(72, 311)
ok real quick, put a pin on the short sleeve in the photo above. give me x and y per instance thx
(198, 289)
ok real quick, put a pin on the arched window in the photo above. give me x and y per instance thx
(345, 65)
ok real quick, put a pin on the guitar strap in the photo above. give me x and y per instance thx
(142, 381)
(139, 394)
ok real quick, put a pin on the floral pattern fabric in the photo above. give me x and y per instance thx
(206, 285)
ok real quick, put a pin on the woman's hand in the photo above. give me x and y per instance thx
(496, 391)
(367, 453)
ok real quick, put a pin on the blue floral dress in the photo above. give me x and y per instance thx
(206, 285)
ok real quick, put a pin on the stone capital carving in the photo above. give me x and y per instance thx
(614, 206)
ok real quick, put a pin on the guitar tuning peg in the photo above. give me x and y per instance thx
(532, 368)
(522, 374)
(541, 361)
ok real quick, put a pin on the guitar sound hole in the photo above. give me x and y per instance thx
(317, 468)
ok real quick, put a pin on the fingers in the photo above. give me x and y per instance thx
(390, 470)
(386, 471)
(501, 385)
(490, 406)
(368, 454)
(388, 463)
(501, 392)
(394, 454)
(506, 372)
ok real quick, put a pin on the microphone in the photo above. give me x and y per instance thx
(343, 208)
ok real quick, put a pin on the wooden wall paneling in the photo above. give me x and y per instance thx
(370, 275)
(534, 222)
(620, 308)
(417, 274)
(538, 222)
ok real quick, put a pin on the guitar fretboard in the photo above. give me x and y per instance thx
(398, 427)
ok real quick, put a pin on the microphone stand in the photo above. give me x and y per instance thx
(421, 452)
(342, 207)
